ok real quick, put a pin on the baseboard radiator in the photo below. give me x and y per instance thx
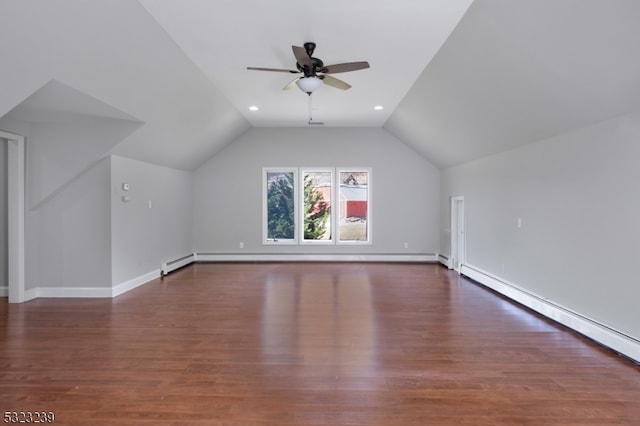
(620, 342)
(172, 265)
(308, 257)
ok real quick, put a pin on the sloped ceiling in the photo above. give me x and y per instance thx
(397, 38)
(68, 132)
(115, 52)
(514, 72)
(458, 82)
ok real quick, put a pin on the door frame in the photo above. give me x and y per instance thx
(458, 238)
(16, 216)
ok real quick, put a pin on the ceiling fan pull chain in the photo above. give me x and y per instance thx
(311, 122)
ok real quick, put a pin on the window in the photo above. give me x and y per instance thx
(316, 206)
(354, 206)
(280, 200)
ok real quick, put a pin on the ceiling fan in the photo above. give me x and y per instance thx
(314, 71)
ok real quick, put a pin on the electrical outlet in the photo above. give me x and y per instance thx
(406, 245)
(241, 245)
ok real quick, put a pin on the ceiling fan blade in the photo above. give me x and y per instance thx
(291, 85)
(302, 57)
(345, 67)
(334, 82)
(272, 69)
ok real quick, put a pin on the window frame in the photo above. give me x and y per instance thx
(339, 171)
(299, 199)
(302, 211)
(265, 205)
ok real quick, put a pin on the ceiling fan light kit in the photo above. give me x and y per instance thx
(309, 84)
(314, 71)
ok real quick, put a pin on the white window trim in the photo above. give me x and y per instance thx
(303, 171)
(368, 170)
(265, 231)
(298, 177)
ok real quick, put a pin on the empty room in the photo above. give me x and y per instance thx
(335, 213)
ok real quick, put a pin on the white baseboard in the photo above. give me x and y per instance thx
(101, 292)
(135, 282)
(294, 257)
(445, 260)
(4, 291)
(607, 336)
(30, 294)
(34, 293)
(91, 292)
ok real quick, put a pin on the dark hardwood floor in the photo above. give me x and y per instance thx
(307, 344)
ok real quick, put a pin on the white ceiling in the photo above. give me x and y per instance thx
(516, 72)
(57, 103)
(397, 38)
(110, 60)
(459, 80)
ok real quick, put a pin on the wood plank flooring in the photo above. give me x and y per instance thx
(307, 344)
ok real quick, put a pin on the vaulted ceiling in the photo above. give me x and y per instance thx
(517, 71)
(458, 79)
(223, 38)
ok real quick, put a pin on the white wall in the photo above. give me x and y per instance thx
(118, 54)
(405, 189)
(67, 223)
(4, 237)
(577, 196)
(68, 241)
(59, 151)
(96, 55)
(79, 234)
(142, 237)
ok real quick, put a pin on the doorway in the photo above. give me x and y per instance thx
(15, 189)
(4, 221)
(458, 246)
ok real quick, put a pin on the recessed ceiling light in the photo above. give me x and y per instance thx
(378, 107)
(253, 108)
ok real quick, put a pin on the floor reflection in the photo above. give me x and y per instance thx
(325, 318)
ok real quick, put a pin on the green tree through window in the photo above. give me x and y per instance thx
(317, 211)
(316, 206)
(280, 206)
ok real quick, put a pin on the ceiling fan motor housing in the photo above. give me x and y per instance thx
(310, 47)
(311, 72)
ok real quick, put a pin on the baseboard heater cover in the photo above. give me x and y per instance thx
(622, 343)
(297, 257)
(172, 265)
